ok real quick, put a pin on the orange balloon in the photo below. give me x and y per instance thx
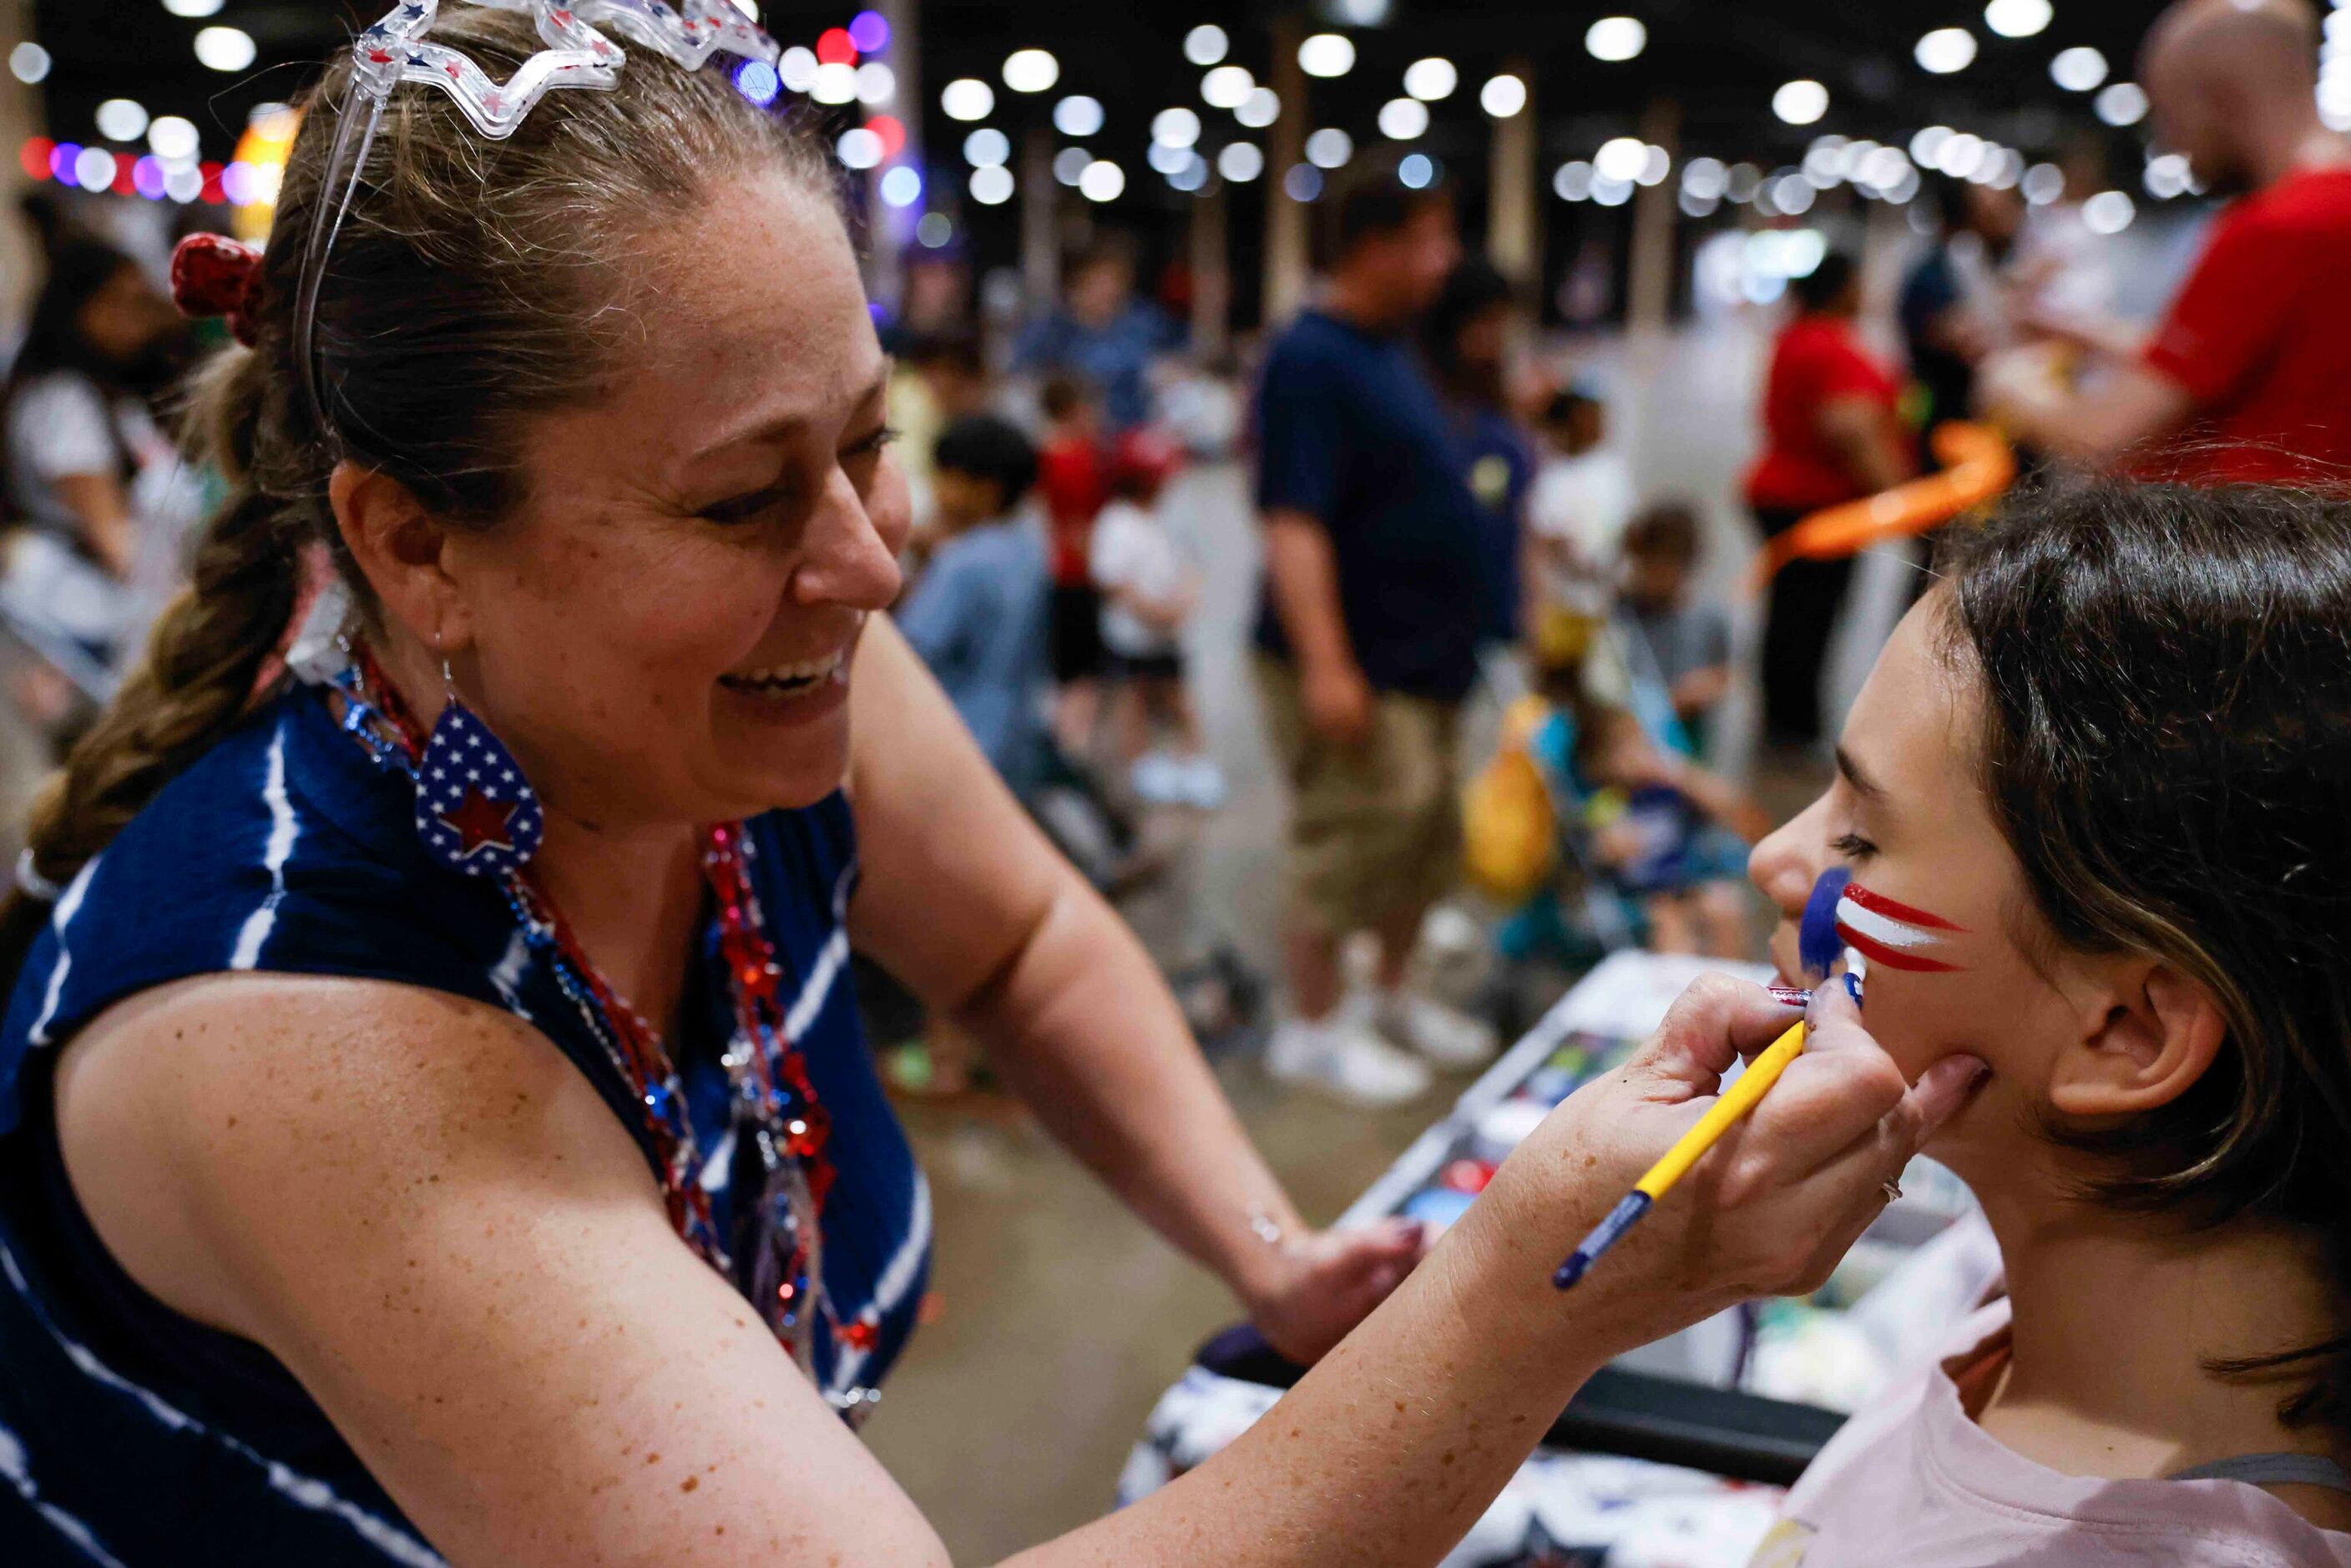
(1978, 465)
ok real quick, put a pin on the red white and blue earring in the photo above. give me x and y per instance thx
(476, 812)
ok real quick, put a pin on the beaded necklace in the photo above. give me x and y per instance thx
(777, 1166)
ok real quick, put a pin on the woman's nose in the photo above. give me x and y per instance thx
(1786, 863)
(848, 558)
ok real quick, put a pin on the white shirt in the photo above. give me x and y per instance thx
(1584, 503)
(1132, 551)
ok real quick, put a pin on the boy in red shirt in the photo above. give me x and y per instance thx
(1073, 478)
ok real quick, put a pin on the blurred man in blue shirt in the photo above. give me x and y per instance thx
(1367, 637)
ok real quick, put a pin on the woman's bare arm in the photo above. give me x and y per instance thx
(104, 511)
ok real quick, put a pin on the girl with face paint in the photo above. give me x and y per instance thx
(2091, 802)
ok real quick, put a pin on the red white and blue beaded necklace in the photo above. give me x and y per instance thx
(475, 814)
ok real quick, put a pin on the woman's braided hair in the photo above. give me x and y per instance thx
(473, 284)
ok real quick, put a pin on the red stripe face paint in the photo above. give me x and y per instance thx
(1894, 934)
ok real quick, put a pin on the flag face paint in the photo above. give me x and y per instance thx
(1894, 934)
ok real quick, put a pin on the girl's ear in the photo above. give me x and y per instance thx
(2149, 1034)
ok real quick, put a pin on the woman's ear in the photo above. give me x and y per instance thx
(2150, 1034)
(403, 550)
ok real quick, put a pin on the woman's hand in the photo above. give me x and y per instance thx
(1322, 1284)
(1768, 1211)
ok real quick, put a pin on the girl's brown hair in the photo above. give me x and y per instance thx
(2166, 745)
(473, 284)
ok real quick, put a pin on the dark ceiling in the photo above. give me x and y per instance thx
(1719, 62)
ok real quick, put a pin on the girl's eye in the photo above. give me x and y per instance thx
(1852, 846)
(885, 436)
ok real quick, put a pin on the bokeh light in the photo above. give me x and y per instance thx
(2017, 18)
(967, 98)
(1946, 50)
(1800, 102)
(1431, 79)
(1241, 162)
(2078, 70)
(1502, 96)
(987, 148)
(1615, 39)
(1404, 119)
(1205, 44)
(1327, 55)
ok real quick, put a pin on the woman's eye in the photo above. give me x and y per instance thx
(1852, 846)
(743, 509)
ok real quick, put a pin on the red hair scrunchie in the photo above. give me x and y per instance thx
(213, 275)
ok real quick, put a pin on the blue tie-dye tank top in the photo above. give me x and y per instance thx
(131, 1436)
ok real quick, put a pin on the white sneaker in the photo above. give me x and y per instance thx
(1447, 1036)
(1339, 1056)
(1204, 784)
(1159, 779)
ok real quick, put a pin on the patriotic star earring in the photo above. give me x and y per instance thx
(476, 812)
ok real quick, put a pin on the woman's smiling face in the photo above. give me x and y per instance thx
(1935, 895)
(664, 630)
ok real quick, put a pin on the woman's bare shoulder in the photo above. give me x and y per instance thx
(227, 1115)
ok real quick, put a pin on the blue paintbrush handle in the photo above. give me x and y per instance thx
(1604, 1235)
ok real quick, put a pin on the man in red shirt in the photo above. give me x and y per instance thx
(1830, 433)
(2251, 371)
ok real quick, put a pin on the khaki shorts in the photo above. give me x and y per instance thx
(1375, 830)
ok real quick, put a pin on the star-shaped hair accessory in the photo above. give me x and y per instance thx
(578, 52)
(476, 812)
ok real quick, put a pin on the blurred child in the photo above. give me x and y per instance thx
(1148, 592)
(1688, 638)
(1073, 476)
(977, 614)
(1669, 835)
(1582, 499)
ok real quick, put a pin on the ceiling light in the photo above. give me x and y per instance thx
(1175, 128)
(1431, 79)
(1800, 102)
(1102, 182)
(122, 120)
(226, 49)
(2125, 103)
(2078, 70)
(967, 98)
(2108, 213)
(1619, 158)
(1031, 70)
(1945, 50)
(1327, 55)
(1205, 44)
(1502, 96)
(1404, 119)
(1616, 38)
(1227, 86)
(1330, 148)
(992, 187)
(2017, 18)
(172, 139)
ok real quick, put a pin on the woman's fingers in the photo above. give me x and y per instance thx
(1717, 1022)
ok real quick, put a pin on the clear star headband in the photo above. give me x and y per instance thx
(577, 55)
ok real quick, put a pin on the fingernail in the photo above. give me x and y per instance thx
(1790, 995)
(1853, 986)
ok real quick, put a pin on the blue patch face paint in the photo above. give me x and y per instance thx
(1818, 944)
